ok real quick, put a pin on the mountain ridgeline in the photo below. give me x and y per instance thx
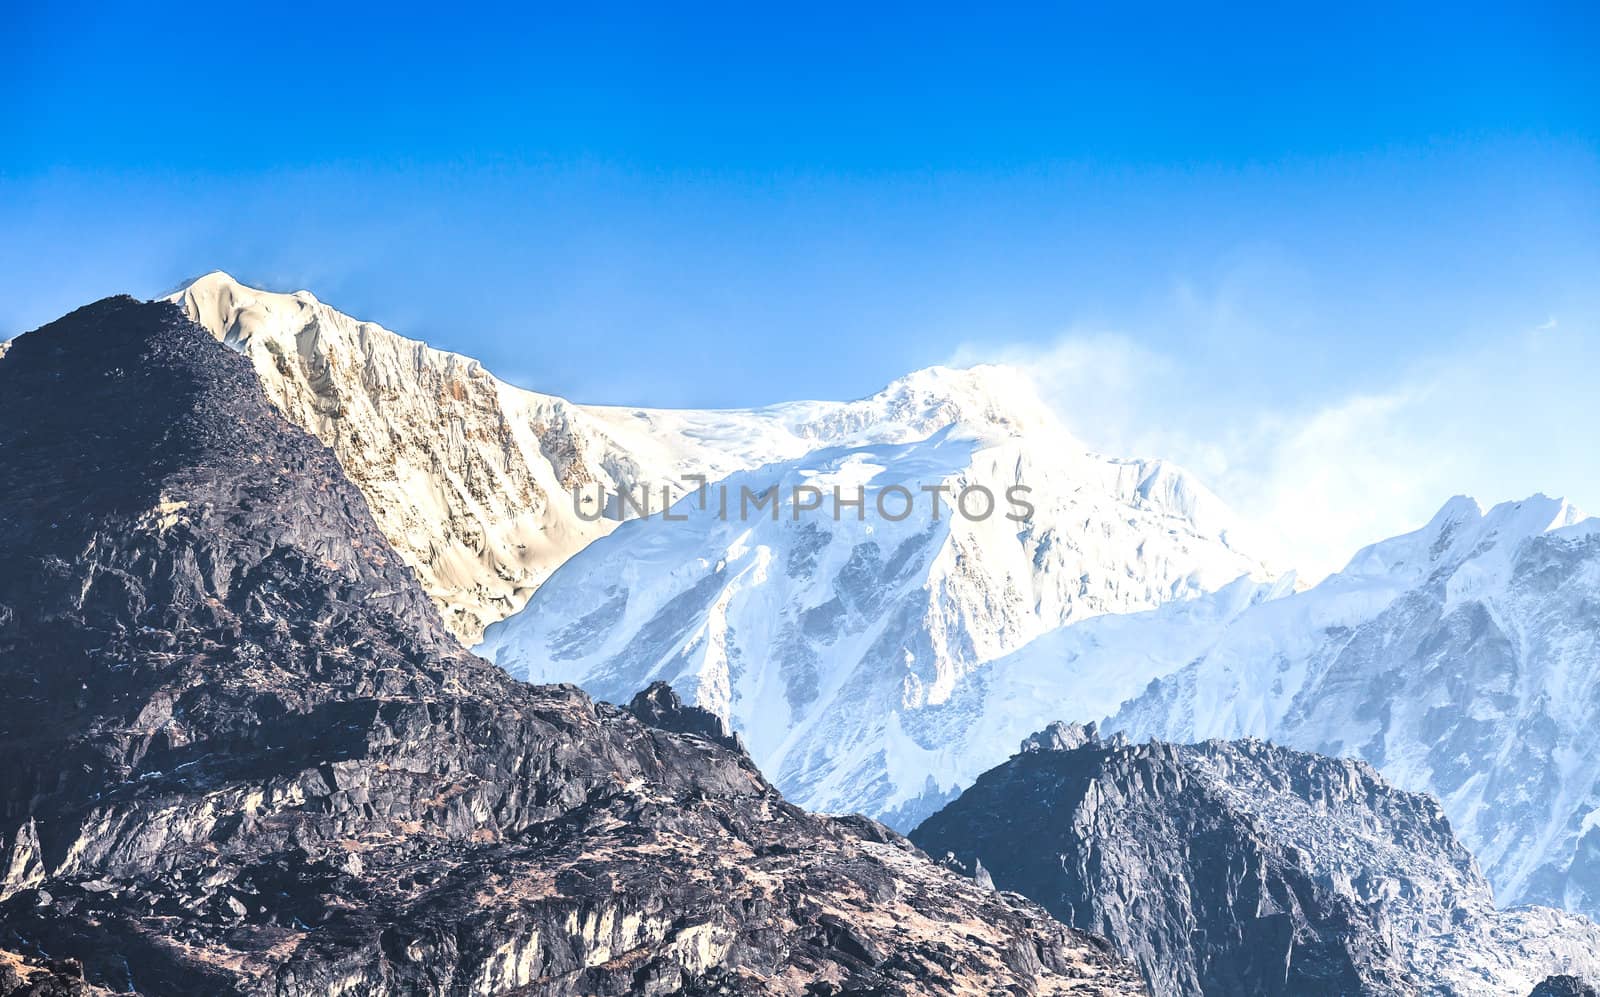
(240, 753)
(471, 478)
(243, 751)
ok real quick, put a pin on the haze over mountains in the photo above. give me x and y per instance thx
(883, 666)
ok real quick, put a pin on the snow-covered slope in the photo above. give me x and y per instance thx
(854, 654)
(1462, 660)
(471, 478)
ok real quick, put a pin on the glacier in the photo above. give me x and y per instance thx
(853, 655)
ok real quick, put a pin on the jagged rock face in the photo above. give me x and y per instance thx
(660, 707)
(467, 476)
(242, 755)
(171, 555)
(1111, 841)
(1060, 736)
(1243, 868)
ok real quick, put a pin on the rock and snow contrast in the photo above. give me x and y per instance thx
(1462, 660)
(469, 477)
(1228, 868)
(241, 755)
(881, 665)
(1564, 985)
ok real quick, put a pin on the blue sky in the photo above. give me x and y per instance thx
(1265, 214)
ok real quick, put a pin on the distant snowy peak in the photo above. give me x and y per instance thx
(995, 401)
(1460, 530)
(1000, 399)
(472, 478)
(1462, 659)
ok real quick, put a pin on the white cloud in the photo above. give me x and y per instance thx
(1325, 476)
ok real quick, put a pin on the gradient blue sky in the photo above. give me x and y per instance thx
(1277, 212)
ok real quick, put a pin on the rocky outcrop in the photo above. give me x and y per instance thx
(1564, 986)
(468, 477)
(1060, 736)
(660, 707)
(21, 976)
(1238, 868)
(241, 754)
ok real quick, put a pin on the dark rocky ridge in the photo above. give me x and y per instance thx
(239, 754)
(1241, 868)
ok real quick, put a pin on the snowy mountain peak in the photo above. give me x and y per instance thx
(219, 282)
(851, 650)
(471, 478)
(219, 301)
(994, 396)
(1460, 530)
